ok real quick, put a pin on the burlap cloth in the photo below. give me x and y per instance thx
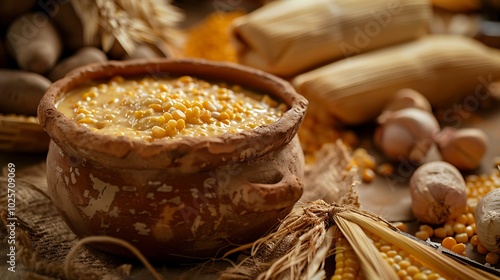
(43, 240)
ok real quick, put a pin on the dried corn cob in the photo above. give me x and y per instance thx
(444, 68)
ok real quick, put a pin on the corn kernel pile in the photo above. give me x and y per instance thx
(458, 232)
(154, 109)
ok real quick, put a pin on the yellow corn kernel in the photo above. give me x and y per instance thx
(198, 104)
(440, 232)
(167, 116)
(196, 111)
(185, 79)
(180, 106)
(428, 229)
(420, 276)
(171, 125)
(238, 118)
(181, 124)
(86, 121)
(459, 228)
(139, 114)
(209, 106)
(422, 234)
(400, 225)
(156, 107)
(449, 229)
(161, 119)
(367, 175)
(82, 111)
(459, 248)
(462, 237)
(223, 116)
(481, 249)
(172, 132)
(206, 116)
(470, 230)
(239, 108)
(412, 270)
(178, 114)
(492, 258)
(385, 169)
(474, 240)
(448, 242)
(158, 132)
(117, 79)
(193, 120)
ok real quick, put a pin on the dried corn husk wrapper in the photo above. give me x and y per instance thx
(287, 37)
(446, 69)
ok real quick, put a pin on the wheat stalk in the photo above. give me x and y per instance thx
(129, 22)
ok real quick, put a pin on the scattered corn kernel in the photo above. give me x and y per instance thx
(481, 249)
(422, 234)
(385, 169)
(492, 258)
(400, 225)
(474, 240)
(428, 229)
(459, 248)
(440, 232)
(448, 242)
(462, 237)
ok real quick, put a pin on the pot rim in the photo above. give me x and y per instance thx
(204, 152)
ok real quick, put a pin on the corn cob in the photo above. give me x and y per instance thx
(413, 258)
(444, 68)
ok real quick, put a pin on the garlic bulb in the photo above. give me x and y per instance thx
(406, 134)
(438, 192)
(408, 98)
(464, 148)
(488, 220)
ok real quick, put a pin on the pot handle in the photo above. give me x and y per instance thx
(260, 197)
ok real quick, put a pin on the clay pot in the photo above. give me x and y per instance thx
(175, 199)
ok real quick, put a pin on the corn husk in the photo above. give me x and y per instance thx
(287, 37)
(299, 248)
(444, 68)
